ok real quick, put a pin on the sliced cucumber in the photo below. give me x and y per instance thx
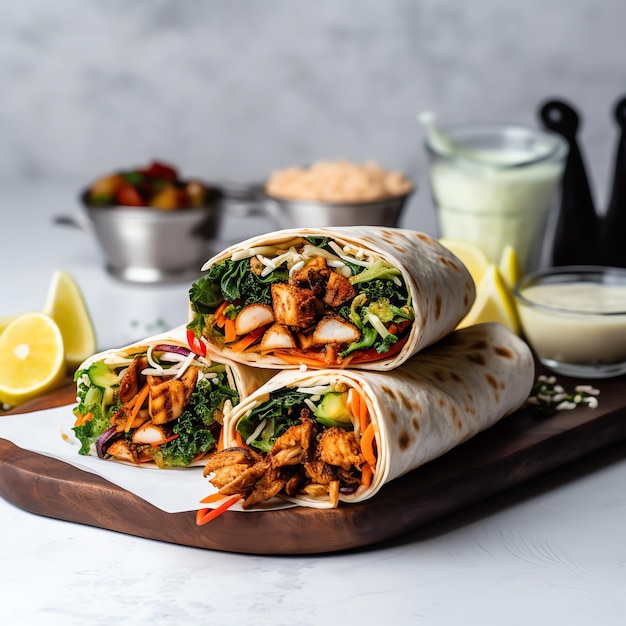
(102, 376)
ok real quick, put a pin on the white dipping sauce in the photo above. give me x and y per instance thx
(589, 327)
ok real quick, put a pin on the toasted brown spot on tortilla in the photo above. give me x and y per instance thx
(415, 423)
(442, 402)
(466, 300)
(455, 418)
(503, 352)
(492, 381)
(439, 375)
(455, 377)
(476, 358)
(450, 262)
(404, 440)
(390, 392)
(494, 384)
(437, 306)
(426, 238)
(479, 345)
(408, 404)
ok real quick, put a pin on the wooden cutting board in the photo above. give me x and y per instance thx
(516, 449)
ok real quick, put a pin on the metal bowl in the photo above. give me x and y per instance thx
(148, 245)
(286, 213)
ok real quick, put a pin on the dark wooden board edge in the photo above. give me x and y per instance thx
(515, 450)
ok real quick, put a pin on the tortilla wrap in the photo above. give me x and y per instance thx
(432, 403)
(436, 291)
(101, 390)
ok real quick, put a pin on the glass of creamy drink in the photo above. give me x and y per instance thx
(574, 318)
(494, 185)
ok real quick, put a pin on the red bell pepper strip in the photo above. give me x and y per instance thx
(195, 343)
(206, 515)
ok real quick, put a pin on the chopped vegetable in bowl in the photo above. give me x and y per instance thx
(158, 186)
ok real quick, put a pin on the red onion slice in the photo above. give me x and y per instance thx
(166, 347)
(104, 440)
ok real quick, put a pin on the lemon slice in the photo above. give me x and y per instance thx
(32, 358)
(471, 255)
(5, 320)
(66, 305)
(494, 302)
(510, 267)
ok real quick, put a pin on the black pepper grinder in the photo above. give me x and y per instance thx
(614, 223)
(577, 233)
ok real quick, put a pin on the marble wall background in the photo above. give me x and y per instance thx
(231, 90)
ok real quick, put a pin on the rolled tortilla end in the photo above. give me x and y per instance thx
(432, 403)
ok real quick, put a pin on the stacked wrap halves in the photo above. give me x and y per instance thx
(376, 380)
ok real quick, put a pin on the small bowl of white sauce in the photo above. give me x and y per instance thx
(574, 319)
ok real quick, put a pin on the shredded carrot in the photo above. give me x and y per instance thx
(372, 355)
(359, 409)
(302, 359)
(214, 497)
(139, 400)
(363, 415)
(81, 419)
(170, 438)
(220, 440)
(219, 314)
(367, 445)
(312, 359)
(239, 440)
(248, 339)
(366, 474)
(206, 515)
(229, 330)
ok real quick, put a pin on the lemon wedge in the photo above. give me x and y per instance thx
(471, 255)
(32, 358)
(66, 305)
(510, 267)
(5, 320)
(494, 302)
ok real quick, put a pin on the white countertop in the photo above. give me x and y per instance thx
(550, 552)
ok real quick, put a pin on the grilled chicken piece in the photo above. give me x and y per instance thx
(319, 472)
(133, 380)
(124, 450)
(339, 447)
(338, 290)
(256, 266)
(230, 456)
(294, 484)
(168, 399)
(269, 485)
(334, 329)
(293, 445)
(247, 479)
(277, 337)
(314, 276)
(293, 306)
(123, 415)
(253, 316)
(150, 433)
(222, 476)
(300, 461)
